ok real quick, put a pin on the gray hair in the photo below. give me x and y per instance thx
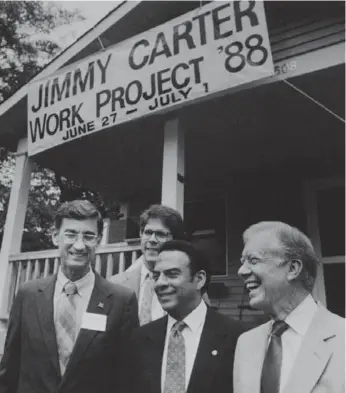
(297, 246)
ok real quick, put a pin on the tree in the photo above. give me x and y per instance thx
(24, 49)
(24, 46)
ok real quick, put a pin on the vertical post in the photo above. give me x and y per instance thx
(173, 169)
(14, 226)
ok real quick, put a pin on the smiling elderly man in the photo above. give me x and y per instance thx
(302, 349)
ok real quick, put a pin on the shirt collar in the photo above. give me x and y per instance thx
(194, 320)
(301, 317)
(82, 284)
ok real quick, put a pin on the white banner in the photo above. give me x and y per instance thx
(212, 48)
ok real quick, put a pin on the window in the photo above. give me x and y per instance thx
(205, 222)
(325, 203)
(331, 220)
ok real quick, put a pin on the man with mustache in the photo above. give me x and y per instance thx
(191, 349)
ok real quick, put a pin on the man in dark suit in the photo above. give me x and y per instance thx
(192, 348)
(67, 332)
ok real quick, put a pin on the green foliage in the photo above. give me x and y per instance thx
(24, 50)
(46, 192)
(24, 46)
(44, 195)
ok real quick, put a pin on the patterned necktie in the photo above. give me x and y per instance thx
(66, 324)
(147, 299)
(175, 367)
(270, 382)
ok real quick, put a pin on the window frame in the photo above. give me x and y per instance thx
(203, 232)
(310, 195)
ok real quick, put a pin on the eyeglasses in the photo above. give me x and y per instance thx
(161, 236)
(72, 237)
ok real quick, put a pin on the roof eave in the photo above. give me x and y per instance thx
(87, 38)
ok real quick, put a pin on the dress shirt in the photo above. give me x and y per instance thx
(299, 321)
(156, 310)
(192, 335)
(85, 286)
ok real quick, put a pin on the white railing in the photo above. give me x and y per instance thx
(110, 259)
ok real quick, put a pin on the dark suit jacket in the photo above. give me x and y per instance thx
(213, 367)
(30, 362)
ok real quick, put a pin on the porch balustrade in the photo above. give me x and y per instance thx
(110, 259)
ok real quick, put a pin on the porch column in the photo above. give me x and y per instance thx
(13, 230)
(173, 169)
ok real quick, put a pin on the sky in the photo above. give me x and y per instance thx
(93, 11)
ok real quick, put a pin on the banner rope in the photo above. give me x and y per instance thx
(314, 100)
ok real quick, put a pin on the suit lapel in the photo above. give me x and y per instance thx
(45, 310)
(99, 296)
(315, 351)
(257, 350)
(133, 281)
(156, 335)
(251, 351)
(208, 354)
(133, 276)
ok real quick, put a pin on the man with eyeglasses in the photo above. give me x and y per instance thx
(68, 332)
(158, 224)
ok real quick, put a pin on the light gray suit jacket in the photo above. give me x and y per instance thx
(319, 366)
(131, 278)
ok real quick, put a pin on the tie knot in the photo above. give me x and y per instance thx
(178, 327)
(279, 327)
(70, 288)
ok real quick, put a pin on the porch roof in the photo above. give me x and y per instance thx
(128, 19)
(271, 128)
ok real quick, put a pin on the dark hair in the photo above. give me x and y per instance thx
(170, 218)
(198, 260)
(296, 245)
(78, 210)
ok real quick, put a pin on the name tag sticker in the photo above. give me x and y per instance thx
(94, 322)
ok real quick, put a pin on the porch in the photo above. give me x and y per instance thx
(259, 150)
(110, 259)
(229, 156)
(23, 267)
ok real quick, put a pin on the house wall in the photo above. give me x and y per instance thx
(253, 198)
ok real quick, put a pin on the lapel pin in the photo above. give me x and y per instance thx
(214, 352)
(101, 305)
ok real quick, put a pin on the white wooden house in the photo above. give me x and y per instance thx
(270, 149)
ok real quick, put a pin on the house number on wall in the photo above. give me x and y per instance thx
(286, 67)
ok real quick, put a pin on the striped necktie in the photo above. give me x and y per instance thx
(65, 325)
(146, 300)
(271, 371)
(175, 366)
